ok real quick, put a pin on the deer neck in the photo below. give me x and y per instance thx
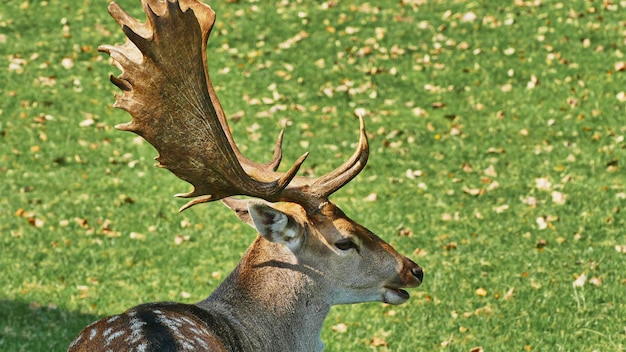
(274, 300)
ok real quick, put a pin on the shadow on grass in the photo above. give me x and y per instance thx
(28, 327)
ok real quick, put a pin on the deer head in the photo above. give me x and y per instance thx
(309, 255)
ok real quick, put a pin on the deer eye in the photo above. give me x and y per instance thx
(345, 245)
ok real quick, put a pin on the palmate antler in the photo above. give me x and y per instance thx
(167, 90)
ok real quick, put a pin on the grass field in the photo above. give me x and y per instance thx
(498, 150)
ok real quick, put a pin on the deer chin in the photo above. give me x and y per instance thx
(395, 295)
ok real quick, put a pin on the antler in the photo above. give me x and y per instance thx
(166, 89)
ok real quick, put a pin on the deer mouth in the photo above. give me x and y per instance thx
(394, 295)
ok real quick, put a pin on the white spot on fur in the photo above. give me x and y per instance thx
(205, 346)
(93, 333)
(187, 345)
(113, 318)
(136, 327)
(114, 336)
(188, 321)
(171, 324)
(194, 330)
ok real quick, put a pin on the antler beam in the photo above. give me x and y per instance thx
(166, 89)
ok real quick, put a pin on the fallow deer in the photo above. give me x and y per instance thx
(308, 256)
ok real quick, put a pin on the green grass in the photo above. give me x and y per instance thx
(447, 96)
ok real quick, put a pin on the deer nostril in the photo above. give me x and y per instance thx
(418, 273)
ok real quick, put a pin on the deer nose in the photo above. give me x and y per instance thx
(418, 273)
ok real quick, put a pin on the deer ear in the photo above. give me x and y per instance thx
(240, 207)
(276, 226)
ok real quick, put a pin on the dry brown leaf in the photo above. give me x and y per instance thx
(372, 197)
(596, 281)
(491, 171)
(450, 246)
(340, 328)
(541, 243)
(473, 191)
(179, 239)
(493, 150)
(510, 293)
(580, 280)
(420, 252)
(481, 292)
(543, 184)
(405, 232)
(137, 236)
(378, 342)
(559, 198)
(501, 208)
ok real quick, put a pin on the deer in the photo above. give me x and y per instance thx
(308, 255)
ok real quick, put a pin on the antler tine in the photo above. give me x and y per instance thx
(250, 166)
(333, 181)
(278, 152)
(124, 19)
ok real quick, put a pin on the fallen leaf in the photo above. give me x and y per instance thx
(493, 150)
(530, 201)
(473, 191)
(580, 281)
(412, 174)
(491, 171)
(541, 223)
(405, 232)
(378, 342)
(340, 328)
(543, 184)
(420, 252)
(509, 294)
(390, 313)
(481, 292)
(559, 198)
(450, 246)
(372, 197)
(419, 112)
(501, 209)
(541, 243)
(179, 239)
(596, 281)
(137, 236)
(469, 17)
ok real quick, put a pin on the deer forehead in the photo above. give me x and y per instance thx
(333, 224)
